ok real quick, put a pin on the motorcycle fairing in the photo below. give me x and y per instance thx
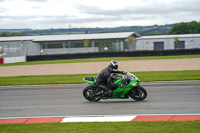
(122, 91)
(90, 80)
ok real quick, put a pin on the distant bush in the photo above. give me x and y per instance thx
(186, 28)
(5, 34)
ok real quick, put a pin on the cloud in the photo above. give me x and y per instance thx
(32, 17)
(154, 11)
(39, 22)
(27, 0)
(3, 10)
(38, 0)
(61, 13)
(35, 7)
(151, 8)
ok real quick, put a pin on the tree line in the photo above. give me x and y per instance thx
(185, 28)
(6, 34)
(179, 28)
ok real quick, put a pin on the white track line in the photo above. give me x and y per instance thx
(99, 119)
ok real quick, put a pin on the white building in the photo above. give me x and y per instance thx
(22, 46)
(166, 42)
(15, 49)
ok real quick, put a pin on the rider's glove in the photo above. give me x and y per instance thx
(124, 72)
(121, 85)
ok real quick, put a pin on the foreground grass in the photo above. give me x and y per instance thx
(102, 59)
(105, 127)
(78, 78)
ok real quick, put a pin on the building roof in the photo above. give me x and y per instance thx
(170, 36)
(119, 35)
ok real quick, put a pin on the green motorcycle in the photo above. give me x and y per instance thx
(127, 86)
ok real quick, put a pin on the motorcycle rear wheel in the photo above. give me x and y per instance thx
(89, 93)
(138, 93)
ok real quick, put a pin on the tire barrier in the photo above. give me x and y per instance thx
(114, 54)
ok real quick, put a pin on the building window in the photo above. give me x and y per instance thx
(104, 46)
(52, 45)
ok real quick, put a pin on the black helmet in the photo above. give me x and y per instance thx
(113, 66)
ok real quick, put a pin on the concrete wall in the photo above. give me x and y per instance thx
(148, 43)
(7, 60)
(14, 59)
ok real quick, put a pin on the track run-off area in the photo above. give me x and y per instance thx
(174, 97)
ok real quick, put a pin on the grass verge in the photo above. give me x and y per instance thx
(77, 78)
(102, 59)
(107, 127)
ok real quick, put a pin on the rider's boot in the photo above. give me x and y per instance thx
(108, 93)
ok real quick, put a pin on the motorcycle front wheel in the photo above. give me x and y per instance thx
(138, 93)
(89, 93)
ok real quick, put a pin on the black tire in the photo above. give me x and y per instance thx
(138, 93)
(89, 93)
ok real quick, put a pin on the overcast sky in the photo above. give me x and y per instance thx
(43, 14)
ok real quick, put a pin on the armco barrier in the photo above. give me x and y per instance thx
(114, 54)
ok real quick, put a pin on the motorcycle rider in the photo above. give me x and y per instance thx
(105, 74)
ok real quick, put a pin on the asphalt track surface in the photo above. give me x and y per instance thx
(177, 97)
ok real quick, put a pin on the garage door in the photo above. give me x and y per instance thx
(179, 45)
(158, 45)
